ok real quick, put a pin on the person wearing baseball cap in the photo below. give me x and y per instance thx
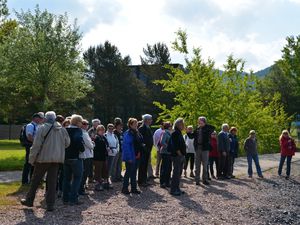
(30, 131)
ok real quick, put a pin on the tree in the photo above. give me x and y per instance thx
(156, 54)
(230, 97)
(117, 91)
(279, 81)
(3, 10)
(43, 69)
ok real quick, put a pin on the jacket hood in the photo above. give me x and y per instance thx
(56, 125)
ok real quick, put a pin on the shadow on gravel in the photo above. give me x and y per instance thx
(186, 202)
(62, 213)
(145, 200)
(240, 182)
(222, 192)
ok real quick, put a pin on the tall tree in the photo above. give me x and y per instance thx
(43, 68)
(117, 91)
(156, 54)
(3, 10)
(230, 96)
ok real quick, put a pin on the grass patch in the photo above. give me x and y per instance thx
(12, 155)
(11, 160)
(9, 191)
(10, 145)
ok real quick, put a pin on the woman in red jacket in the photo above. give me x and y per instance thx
(214, 155)
(287, 150)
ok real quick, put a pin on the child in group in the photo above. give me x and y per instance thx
(190, 151)
(100, 159)
(214, 155)
(287, 151)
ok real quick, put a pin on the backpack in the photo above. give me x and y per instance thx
(23, 137)
(159, 144)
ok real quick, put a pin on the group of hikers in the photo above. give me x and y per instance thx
(75, 156)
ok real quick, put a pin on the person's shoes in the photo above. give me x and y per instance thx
(198, 183)
(135, 191)
(232, 177)
(175, 193)
(125, 191)
(209, 178)
(184, 174)
(287, 177)
(83, 193)
(168, 185)
(192, 174)
(152, 177)
(50, 208)
(213, 177)
(76, 203)
(182, 192)
(144, 185)
(163, 186)
(227, 177)
(99, 187)
(250, 176)
(205, 182)
(261, 176)
(26, 203)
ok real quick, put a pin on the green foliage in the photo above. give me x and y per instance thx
(230, 97)
(42, 67)
(3, 10)
(157, 54)
(117, 92)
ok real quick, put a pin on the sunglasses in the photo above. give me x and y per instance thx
(85, 124)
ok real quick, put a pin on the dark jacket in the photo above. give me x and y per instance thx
(250, 146)
(177, 143)
(206, 133)
(234, 145)
(223, 142)
(77, 144)
(120, 139)
(146, 132)
(100, 149)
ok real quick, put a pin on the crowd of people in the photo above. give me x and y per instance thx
(74, 156)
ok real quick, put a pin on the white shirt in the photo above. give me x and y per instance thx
(113, 143)
(156, 137)
(189, 142)
(88, 146)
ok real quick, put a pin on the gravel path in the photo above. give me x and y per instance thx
(272, 200)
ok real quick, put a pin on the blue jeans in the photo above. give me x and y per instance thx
(255, 159)
(73, 170)
(288, 165)
(130, 173)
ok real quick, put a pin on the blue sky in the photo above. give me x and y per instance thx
(254, 30)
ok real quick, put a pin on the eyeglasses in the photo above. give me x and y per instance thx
(85, 124)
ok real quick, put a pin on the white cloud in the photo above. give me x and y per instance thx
(219, 27)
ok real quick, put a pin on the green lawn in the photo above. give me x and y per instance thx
(9, 191)
(11, 155)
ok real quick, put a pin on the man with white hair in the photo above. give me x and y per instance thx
(146, 132)
(47, 153)
(92, 131)
(224, 149)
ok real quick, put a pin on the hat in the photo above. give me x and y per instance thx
(38, 115)
(252, 132)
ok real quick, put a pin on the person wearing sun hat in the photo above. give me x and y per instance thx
(250, 146)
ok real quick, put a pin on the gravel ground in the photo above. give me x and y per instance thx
(272, 200)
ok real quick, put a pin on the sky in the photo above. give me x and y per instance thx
(254, 30)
